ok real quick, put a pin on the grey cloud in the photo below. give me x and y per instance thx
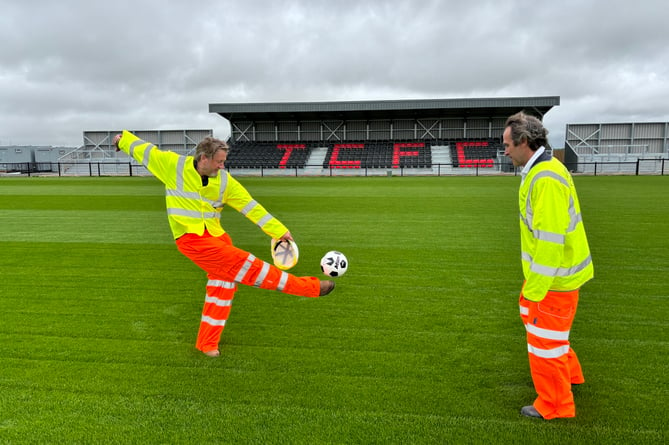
(71, 66)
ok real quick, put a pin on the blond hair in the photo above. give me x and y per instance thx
(209, 146)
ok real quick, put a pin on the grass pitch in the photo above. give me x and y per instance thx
(421, 341)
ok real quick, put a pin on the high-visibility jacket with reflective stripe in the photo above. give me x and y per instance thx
(191, 206)
(555, 251)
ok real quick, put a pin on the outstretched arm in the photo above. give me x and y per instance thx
(156, 161)
(237, 197)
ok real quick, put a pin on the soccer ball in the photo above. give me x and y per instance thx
(334, 264)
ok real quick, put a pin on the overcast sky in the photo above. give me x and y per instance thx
(72, 66)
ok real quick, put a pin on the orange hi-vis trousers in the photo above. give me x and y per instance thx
(227, 265)
(553, 363)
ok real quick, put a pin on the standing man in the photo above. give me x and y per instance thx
(556, 263)
(196, 189)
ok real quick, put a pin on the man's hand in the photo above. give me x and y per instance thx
(115, 141)
(287, 237)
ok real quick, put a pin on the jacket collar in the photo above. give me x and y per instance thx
(539, 156)
(205, 179)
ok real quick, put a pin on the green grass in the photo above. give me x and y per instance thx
(421, 341)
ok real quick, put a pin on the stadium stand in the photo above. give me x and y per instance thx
(249, 154)
(434, 136)
(340, 155)
(468, 154)
(355, 135)
(417, 137)
(617, 147)
(379, 154)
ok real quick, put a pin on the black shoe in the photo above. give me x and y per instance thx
(326, 287)
(530, 411)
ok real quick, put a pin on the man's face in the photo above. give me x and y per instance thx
(519, 154)
(210, 167)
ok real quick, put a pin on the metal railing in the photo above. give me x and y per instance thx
(652, 166)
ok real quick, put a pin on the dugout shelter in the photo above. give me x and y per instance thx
(389, 134)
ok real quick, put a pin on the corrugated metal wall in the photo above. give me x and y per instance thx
(98, 144)
(372, 129)
(618, 138)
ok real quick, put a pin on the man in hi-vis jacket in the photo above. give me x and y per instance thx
(196, 189)
(556, 263)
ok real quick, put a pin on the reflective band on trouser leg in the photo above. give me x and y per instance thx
(215, 313)
(553, 363)
(258, 273)
(219, 258)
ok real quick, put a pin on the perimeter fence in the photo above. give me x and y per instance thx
(636, 167)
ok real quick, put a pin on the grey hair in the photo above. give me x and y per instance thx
(526, 128)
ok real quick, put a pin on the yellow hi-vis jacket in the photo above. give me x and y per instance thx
(191, 206)
(555, 251)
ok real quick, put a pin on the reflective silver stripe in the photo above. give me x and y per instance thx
(549, 174)
(245, 268)
(194, 196)
(224, 185)
(264, 220)
(221, 283)
(555, 271)
(147, 155)
(191, 213)
(282, 281)
(547, 333)
(181, 165)
(212, 321)
(182, 194)
(262, 275)
(549, 236)
(134, 145)
(217, 301)
(528, 202)
(248, 207)
(548, 353)
(524, 310)
(574, 218)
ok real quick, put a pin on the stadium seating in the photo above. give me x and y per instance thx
(470, 154)
(373, 154)
(378, 154)
(267, 155)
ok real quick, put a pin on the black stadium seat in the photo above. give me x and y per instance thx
(340, 154)
(249, 154)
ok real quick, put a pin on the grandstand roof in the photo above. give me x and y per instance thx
(384, 109)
